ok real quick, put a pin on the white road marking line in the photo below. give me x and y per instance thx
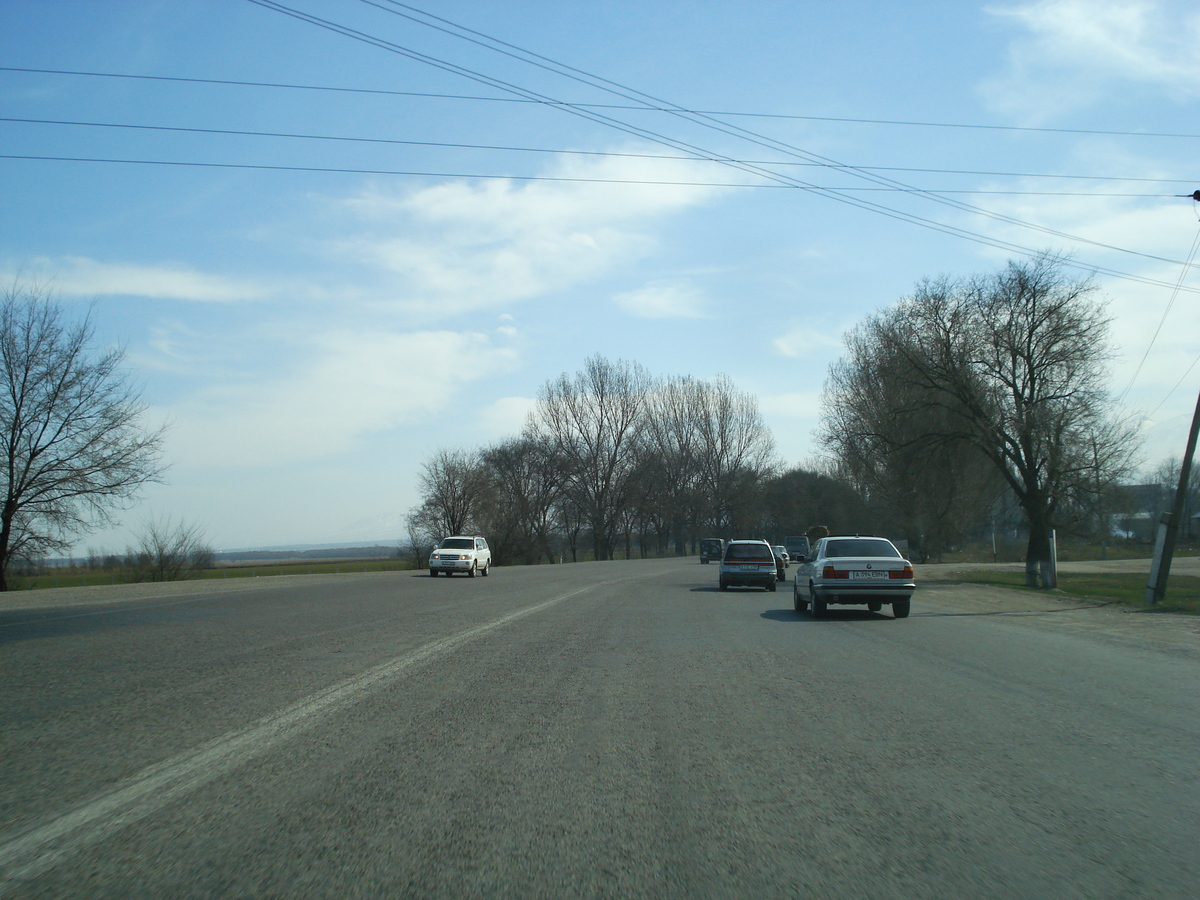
(158, 785)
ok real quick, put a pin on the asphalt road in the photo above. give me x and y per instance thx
(613, 729)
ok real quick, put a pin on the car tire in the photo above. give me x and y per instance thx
(874, 607)
(433, 573)
(724, 585)
(487, 567)
(817, 606)
(798, 604)
(704, 562)
(471, 571)
(900, 608)
(773, 586)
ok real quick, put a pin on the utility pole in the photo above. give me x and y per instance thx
(1164, 547)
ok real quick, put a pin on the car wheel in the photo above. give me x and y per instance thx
(817, 606)
(874, 607)
(724, 585)
(487, 567)
(704, 562)
(773, 586)
(433, 573)
(900, 608)
(797, 603)
(471, 571)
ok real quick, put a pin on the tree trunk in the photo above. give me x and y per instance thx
(1039, 572)
(5, 536)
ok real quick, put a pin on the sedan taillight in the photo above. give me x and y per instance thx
(906, 573)
(831, 572)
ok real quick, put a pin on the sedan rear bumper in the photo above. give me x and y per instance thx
(867, 593)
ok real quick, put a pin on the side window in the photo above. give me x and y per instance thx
(480, 544)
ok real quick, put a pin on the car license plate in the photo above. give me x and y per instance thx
(869, 575)
(749, 568)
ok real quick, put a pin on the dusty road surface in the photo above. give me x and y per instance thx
(598, 730)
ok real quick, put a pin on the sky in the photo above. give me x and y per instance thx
(334, 236)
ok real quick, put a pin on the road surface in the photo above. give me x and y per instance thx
(595, 730)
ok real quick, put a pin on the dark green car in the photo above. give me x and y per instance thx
(710, 549)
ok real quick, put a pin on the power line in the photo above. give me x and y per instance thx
(835, 194)
(352, 171)
(1124, 276)
(619, 155)
(635, 95)
(345, 170)
(1162, 320)
(610, 106)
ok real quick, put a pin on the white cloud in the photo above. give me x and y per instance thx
(80, 277)
(505, 417)
(663, 300)
(355, 385)
(799, 405)
(809, 341)
(1071, 52)
(464, 245)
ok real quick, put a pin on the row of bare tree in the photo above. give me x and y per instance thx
(611, 458)
(973, 403)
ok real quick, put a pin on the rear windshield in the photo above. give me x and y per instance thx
(858, 547)
(457, 544)
(749, 551)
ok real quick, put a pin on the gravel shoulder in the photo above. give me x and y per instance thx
(940, 592)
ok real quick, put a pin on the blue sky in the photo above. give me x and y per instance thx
(313, 324)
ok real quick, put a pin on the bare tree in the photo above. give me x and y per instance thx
(72, 446)
(169, 551)
(528, 484)
(1015, 364)
(423, 534)
(736, 452)
(591, 422)
(888, 434)
(671, 451)
(1167, 474)
(452, 483)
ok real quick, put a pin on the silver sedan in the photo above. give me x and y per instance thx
(854, 569)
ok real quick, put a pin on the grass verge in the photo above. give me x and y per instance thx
(84, 579)
(1183, 591)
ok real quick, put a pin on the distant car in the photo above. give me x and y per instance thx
(461, 553)
(796, 546)
(748, 564)
(783, 556)
(781, 562)
(854, 569)
(710, 549)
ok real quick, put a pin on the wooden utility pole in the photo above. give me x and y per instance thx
(1164, 548)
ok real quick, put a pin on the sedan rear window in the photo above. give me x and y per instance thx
(749, 552)
(858, 547)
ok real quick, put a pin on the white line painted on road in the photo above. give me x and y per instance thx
(156, 786)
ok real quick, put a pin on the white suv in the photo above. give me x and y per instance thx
(461, 553)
